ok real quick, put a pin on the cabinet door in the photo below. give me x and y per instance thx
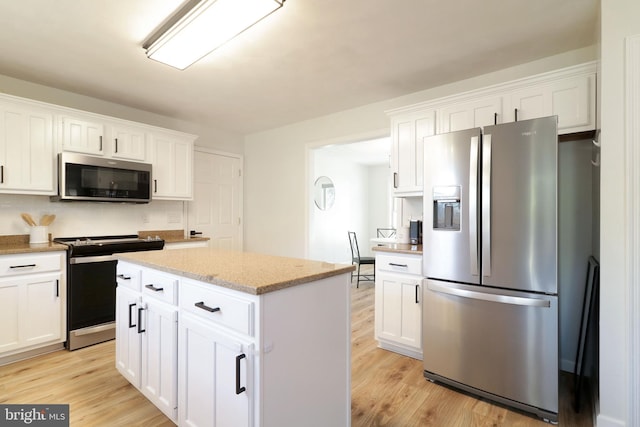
(82, 136)
(160, 356)
(27, 160)
(127, 142)
(571, 99)
(407, 134)
(31, 311)
(398, 313)
(9, 315)
(467, 115)
(42, 308)
(172, 161)
(128, 338)
(209, 361)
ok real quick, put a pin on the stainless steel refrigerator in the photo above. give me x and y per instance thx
(490, 307)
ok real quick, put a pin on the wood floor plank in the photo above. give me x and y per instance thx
(387, 389)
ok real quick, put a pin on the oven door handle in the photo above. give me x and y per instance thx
(88, 259)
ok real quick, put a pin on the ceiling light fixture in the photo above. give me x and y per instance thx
(202, 26)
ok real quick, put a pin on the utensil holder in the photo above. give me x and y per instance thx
(39, 234)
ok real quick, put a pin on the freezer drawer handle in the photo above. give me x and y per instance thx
(238, 359)
(153, 288)
(206, 308)
(502, 299)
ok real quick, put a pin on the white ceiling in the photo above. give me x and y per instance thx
(310, 58)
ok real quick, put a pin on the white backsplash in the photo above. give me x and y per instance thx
(90, 218)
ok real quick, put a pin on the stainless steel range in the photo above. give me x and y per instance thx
(91, 284)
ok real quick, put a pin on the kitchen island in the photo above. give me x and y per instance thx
(215, 337)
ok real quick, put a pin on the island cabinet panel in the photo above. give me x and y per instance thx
(254, 340)
(147, 334)
(214, 376)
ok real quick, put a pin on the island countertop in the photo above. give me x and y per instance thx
(248, 272)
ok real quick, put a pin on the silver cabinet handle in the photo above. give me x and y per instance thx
(204, 307)
(398, 265)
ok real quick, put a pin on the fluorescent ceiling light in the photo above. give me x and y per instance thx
(202, 26)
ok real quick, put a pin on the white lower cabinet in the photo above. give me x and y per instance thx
(32, 302)
(398, 303)
(147, 335)
(214, 374)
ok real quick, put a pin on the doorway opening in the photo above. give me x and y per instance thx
(362, 194)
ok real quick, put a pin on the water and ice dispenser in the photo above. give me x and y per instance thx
(446, 208)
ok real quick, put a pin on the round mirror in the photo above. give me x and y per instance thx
(324, 193)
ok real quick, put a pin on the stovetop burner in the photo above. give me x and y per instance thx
(107, 245)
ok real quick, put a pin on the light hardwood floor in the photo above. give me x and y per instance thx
(387, 389)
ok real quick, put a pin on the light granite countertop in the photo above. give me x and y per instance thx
(248, 272)
(19, 244)
(401, 248)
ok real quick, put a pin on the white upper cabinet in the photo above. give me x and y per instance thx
(127, 142)
(172, 160)
(82, 135)
(571, 99)
(568, 93)
(27, 155)
(470, 114)
(407, 134)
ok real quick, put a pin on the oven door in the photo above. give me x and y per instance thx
(92, 300)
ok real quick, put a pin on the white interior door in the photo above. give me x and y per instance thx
(216, 209)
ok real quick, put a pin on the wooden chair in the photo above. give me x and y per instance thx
(358, 260)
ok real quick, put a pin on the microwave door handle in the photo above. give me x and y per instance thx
(473, 206)
(486, 206)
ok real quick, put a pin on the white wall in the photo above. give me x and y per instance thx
(620, 18)
(328, 239)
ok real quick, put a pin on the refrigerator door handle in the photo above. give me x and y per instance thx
(502, 299)
(486, 205)
(473, 206)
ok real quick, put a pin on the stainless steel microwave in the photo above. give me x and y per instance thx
(89, 178)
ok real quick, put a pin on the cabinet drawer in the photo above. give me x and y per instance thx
(409, 264)
(11, 265)
(217, 306)
(160, 286)
(128, 276)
